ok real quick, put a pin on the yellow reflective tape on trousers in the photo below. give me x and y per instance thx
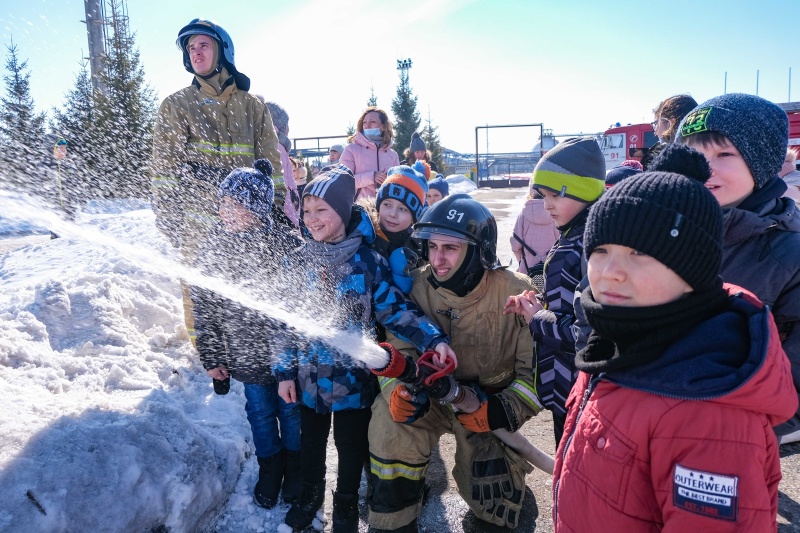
(223, 149)
(395, 470)
(527, 392)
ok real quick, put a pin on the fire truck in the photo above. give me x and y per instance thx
(620, 142)
(793, 111)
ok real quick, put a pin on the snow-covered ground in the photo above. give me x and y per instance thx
(109, 421)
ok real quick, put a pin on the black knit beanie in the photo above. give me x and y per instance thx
(666, 213)
(757, 128)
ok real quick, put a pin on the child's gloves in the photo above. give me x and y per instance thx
(406, 407)
(222, 386)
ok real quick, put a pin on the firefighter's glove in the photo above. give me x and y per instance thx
(476, 421)
(406, 407)
(497, 480)
(489, 416)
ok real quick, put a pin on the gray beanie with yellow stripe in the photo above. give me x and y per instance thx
(575, 169)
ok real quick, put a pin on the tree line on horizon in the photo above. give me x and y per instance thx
(110, 135)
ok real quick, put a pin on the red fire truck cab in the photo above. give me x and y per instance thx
(620, 142)
(793, 111)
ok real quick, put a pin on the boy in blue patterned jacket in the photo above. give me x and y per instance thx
(570, 177)
(356, 281)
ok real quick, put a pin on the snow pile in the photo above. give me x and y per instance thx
(109, 423)
(459, 183)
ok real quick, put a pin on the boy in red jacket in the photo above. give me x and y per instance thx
(670, 422)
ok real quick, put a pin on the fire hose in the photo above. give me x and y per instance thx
(440, 384)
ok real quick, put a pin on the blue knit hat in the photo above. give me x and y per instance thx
(251, 187)
(440, 184)
(416, 143)
(407, 185)
(757, 128)
(617, 174)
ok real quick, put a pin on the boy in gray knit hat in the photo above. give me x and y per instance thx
(744, 139)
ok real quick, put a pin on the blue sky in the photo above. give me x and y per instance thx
(576, 66)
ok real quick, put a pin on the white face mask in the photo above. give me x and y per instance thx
(373, 134)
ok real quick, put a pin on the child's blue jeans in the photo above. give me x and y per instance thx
(265, 409)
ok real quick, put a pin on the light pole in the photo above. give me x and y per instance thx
(403, 65)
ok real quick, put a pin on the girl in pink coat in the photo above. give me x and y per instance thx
(369, 154)
(535, 230)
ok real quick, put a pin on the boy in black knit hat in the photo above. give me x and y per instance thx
(681, 378)
(744, 139)
(236, 341)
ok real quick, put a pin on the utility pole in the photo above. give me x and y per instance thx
(106, 28)
(97, 50)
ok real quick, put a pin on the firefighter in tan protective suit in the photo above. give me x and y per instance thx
(464, 291)
(202, 132)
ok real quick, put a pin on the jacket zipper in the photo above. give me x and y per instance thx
(592, 384)
(377, 166)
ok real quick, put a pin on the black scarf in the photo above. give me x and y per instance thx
(630, 336)
(396, 239)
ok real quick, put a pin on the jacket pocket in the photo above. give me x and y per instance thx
(607, 458)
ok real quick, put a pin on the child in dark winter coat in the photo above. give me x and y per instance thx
(233, 340)
(355, 280)
(400, 202)
(570, 177)
(669, 424)
(744, 139)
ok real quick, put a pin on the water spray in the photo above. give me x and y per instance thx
(358, 346)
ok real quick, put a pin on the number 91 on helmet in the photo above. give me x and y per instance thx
(460, 215)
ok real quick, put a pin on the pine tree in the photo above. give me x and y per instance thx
(351, 130)
(123, 126)
(373, 100)
(431, 138)
(21, 128)
(406, 116)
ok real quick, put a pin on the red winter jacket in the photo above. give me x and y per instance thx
(364, 158)
(683, 444)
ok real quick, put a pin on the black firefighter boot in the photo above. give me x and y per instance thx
(292, 477)
(303, 511)
(345, 513)
(270, 475)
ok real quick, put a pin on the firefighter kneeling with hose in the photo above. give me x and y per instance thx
(488, 396)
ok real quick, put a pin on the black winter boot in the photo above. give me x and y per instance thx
(270, 474)
(409, 528)
(345, 513)
(292, 477)
(303, 511)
